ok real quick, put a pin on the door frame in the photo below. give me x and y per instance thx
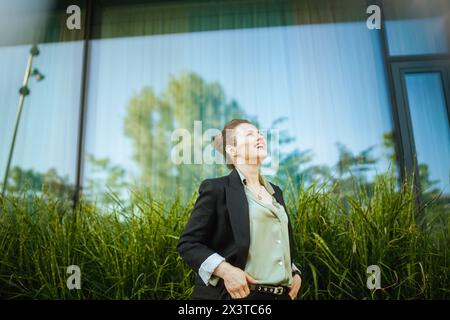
(405, 136)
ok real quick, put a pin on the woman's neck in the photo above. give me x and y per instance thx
(251, 173)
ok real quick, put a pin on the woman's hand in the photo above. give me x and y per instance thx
(296, 284)
(236, 280)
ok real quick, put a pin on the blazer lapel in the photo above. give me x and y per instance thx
(237, 205)
(279, 198)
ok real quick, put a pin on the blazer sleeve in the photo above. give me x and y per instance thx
(193, 243)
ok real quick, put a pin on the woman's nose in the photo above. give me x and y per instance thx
(260, 138)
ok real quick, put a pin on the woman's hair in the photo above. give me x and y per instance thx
(221, 140)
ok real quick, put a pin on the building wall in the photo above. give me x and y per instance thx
(337, 100)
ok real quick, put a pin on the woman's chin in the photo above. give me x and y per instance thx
(262, 155)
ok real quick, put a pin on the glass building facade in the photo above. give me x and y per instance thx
(341, 100)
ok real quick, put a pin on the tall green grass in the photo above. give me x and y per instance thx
(128, 251)
(338, 238)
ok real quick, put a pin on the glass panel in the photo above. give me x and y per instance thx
(431, 129)
(321, 84)
(46, 140)
(415, 27)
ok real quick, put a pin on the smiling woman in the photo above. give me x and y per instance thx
(342, 103)
(239, 236)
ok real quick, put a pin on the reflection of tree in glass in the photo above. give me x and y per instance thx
(389, 146)
(297, 168)
(104, 174)
(151, 120)
(433, 198)
(429, 189)
(30, 181)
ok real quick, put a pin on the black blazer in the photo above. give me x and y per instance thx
(220, 223)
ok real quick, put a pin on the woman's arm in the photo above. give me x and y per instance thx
(194, 251)
(192, 244)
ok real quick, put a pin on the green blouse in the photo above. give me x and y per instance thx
(269, 255)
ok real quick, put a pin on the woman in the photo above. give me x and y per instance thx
(239, 237)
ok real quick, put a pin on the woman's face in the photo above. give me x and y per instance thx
(250, 147)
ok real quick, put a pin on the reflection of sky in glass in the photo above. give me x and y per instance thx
(417, 36)
(327, 79)
(47, 134)
(430, 125)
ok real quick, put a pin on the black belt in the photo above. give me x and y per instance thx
(277, 290)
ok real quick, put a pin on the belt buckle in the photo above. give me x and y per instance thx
(278, 290)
